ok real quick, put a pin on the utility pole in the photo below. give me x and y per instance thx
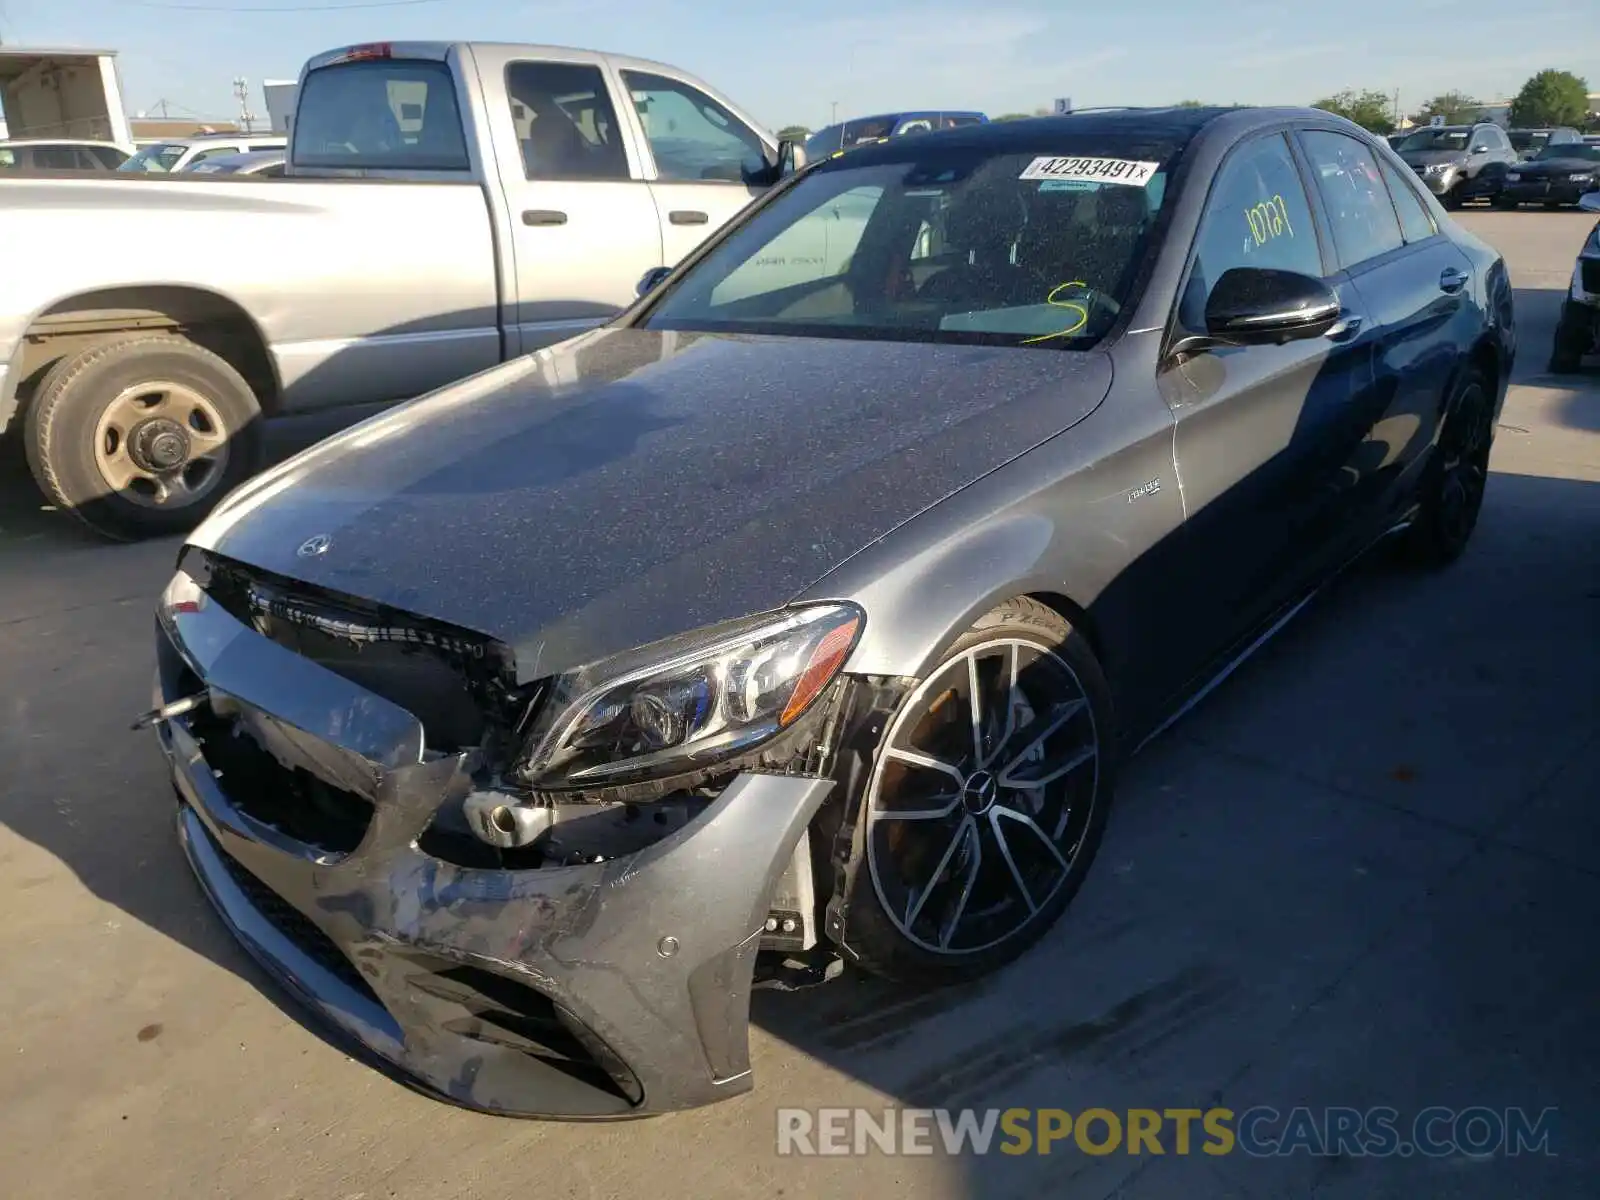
(241, 89)
(833, 116)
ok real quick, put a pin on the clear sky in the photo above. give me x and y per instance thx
(789, 62)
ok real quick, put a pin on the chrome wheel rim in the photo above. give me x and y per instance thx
(981, 796)
(1466, 467)
(161, 445)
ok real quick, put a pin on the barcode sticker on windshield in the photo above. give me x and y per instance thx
(1098, 170)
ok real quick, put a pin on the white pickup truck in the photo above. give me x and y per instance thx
(446, 206)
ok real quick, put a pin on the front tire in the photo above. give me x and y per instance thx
(142, 437)
(1453, 492)
(1574, 336)
(981, 819)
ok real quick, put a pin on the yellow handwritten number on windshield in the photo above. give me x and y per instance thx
(1073, 306)
(1268, 220)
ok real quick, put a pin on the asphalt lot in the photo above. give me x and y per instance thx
(1362, 873)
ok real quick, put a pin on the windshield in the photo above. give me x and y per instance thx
(1437, 139)
(1569, 150)
(953, 244)
(162, 157)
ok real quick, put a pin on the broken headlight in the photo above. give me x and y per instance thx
(681, 705)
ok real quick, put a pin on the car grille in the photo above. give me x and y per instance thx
(295, 925)
(1590, 275)
(455, 682)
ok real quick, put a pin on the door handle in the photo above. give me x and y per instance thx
(683, 216)
(543, 216)
(1452, 280)
(1344, 329)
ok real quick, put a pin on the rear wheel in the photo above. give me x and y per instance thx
(1453, 494)
(141, 437)
(986, 803)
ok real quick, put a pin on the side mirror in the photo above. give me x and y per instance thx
(1590, 202)
(1262, 304)
(1480, 149)
(791, 158)
(651, 279)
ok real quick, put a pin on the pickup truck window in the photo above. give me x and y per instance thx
(383, 114)
(693, 137)
(565, 122)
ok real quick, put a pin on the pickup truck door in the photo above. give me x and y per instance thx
(699, 153)
(583, 224)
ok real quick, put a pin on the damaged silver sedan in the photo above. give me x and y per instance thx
(799, 616)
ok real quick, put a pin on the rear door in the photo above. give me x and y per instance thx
(701, 155)
(1260, 429)
(583, 222)
(1415, 284)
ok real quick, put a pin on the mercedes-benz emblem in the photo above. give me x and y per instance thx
(314, 546)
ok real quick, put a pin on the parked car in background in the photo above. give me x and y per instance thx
(523, 730)
(268, 163)
(1578, 330)
(61, 154)
(1529, 142)
(453, 205)
(863, 130)
(179, 154)
(1459, 162)
(1394, 139)
(1560, 174)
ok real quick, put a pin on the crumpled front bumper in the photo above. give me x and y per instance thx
(606, 990)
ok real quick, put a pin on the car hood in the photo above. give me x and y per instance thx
(1427, 158)
(1558, 166)
(630, 484)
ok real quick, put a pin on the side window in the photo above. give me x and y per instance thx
(956, 122)
(914, 125)
(693, 137)
(55, 158)
(1359, 210)
(212, 152)
(1416, 223)
(566, 125)
(1256, 216)
(7, 158)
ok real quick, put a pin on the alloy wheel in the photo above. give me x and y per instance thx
(1465, 470)
(981, 796)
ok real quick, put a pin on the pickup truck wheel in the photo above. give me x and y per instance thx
(986, 802)
(142, 437)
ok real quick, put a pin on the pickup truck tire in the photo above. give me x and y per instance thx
(141, 437)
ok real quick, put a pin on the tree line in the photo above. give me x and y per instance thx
(1550, 97)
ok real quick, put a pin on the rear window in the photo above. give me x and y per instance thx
(380, 115)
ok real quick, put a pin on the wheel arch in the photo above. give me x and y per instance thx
(937, 596)
(75, 322)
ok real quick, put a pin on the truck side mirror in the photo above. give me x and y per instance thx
(791, 158)
(651, 279)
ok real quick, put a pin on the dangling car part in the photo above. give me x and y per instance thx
(801, 616)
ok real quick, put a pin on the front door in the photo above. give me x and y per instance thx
(1255, 423)
(704, 156)
(1415, 282)
(583, 224)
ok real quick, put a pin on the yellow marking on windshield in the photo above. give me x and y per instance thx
(1070, 306)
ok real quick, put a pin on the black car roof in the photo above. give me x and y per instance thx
(1177, 126)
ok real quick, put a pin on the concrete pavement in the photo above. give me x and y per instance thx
(1362, 873)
